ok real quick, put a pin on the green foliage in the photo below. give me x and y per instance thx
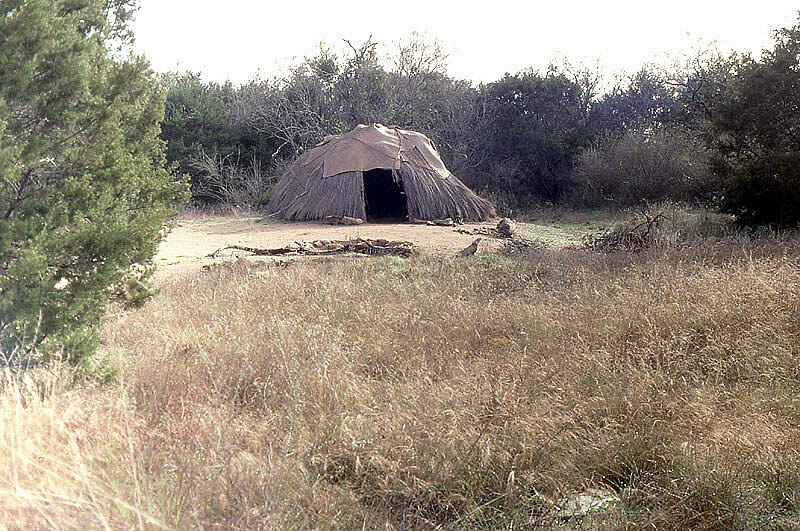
(539, 124)
(754, 128)
(639, 166)
(196, 119)
(200, 122)
(83, 189)
(517, 139)
(133, 289)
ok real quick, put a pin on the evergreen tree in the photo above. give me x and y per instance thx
(84, 193)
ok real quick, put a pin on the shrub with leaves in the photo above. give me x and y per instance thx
(754, 128)
(84, 193)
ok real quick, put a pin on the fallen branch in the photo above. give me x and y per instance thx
(505, 229)
(491, 232)
(328, 247)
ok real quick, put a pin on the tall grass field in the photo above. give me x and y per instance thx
(432, 393)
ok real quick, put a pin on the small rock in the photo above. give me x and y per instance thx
(446, 222)
(589, 501)
(347, 220)
(506, 227)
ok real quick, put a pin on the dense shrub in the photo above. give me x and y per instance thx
(196, 119)
(641, 166)
(201, 124)
(754, 130)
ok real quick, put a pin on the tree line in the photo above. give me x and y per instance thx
(716, 128)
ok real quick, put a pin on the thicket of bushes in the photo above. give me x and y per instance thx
(717, 127)
(628, 168)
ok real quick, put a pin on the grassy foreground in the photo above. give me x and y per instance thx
(430, 392)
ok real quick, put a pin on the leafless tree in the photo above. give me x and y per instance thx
(336, 90)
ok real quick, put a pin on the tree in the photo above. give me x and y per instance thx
(297, 111)
(644, 100)
(323, 95)
(84, 193)
(755, 129)
(540, 122)
(202, 132)
(196, 119)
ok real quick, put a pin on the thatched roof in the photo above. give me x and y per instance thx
(329, 179)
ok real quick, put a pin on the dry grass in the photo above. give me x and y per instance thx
(432, 392)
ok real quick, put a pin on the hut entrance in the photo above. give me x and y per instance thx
(384, 198)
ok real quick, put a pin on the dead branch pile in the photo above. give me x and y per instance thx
(480, 231)
(521, 247)
(631, 236)
(329, 247)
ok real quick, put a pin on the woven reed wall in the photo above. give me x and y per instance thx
(317, 198)
(431, 197)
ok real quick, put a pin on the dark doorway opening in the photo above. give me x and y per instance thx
(384, 197)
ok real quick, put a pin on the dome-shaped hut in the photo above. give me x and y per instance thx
(374, 173)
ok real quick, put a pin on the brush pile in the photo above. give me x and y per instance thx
(328, 247)
(632, 236)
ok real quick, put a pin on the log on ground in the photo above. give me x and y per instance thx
(371, 247)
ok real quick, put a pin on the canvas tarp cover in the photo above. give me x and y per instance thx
(369, 147)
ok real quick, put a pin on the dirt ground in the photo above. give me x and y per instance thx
(194, 238)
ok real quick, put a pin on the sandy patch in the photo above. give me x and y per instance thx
(193, 239)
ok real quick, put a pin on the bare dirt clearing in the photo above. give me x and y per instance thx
(194, 238)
